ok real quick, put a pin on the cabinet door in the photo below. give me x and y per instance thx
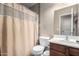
(73, 51)
(57, 47)
(56, 53)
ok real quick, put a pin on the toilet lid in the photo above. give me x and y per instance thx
(38, 48)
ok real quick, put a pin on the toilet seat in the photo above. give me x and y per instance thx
(37, 50)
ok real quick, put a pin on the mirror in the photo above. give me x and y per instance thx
(66, 21)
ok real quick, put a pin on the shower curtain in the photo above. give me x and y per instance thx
(18, 30)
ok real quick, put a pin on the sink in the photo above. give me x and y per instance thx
(74, 39)
(59, 37)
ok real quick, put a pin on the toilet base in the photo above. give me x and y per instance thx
(45, 53)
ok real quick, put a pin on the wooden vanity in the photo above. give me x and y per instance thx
(62, 50)
(0, 51)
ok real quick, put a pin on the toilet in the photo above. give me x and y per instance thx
(39, 50)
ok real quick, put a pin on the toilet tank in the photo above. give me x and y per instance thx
(44, 41)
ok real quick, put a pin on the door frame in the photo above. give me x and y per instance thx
(71, 13)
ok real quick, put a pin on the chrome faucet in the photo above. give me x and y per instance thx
(66, 37)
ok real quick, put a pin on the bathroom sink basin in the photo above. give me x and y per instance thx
(74, 39)
(59, 37)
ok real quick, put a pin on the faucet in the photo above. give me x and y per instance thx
(66, 37)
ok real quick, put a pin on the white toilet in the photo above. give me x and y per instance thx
(39, 50)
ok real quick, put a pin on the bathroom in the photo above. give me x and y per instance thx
(39, 29)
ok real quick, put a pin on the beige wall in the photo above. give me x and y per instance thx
(36, 8)
(47, 17)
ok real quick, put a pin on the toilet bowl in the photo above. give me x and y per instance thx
(38, 50)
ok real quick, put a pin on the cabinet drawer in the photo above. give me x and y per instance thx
(57, 47)
(73, 52)
(56, 53)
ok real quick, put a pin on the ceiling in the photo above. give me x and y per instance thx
(28, 4)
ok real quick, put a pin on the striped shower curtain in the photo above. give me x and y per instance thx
(18, 30)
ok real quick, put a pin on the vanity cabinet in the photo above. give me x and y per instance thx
(57, 50)
(61, 50)
(0, 52)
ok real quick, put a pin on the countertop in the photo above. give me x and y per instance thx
(65, 42)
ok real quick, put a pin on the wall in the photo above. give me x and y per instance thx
(36, 8)
(47, 17)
